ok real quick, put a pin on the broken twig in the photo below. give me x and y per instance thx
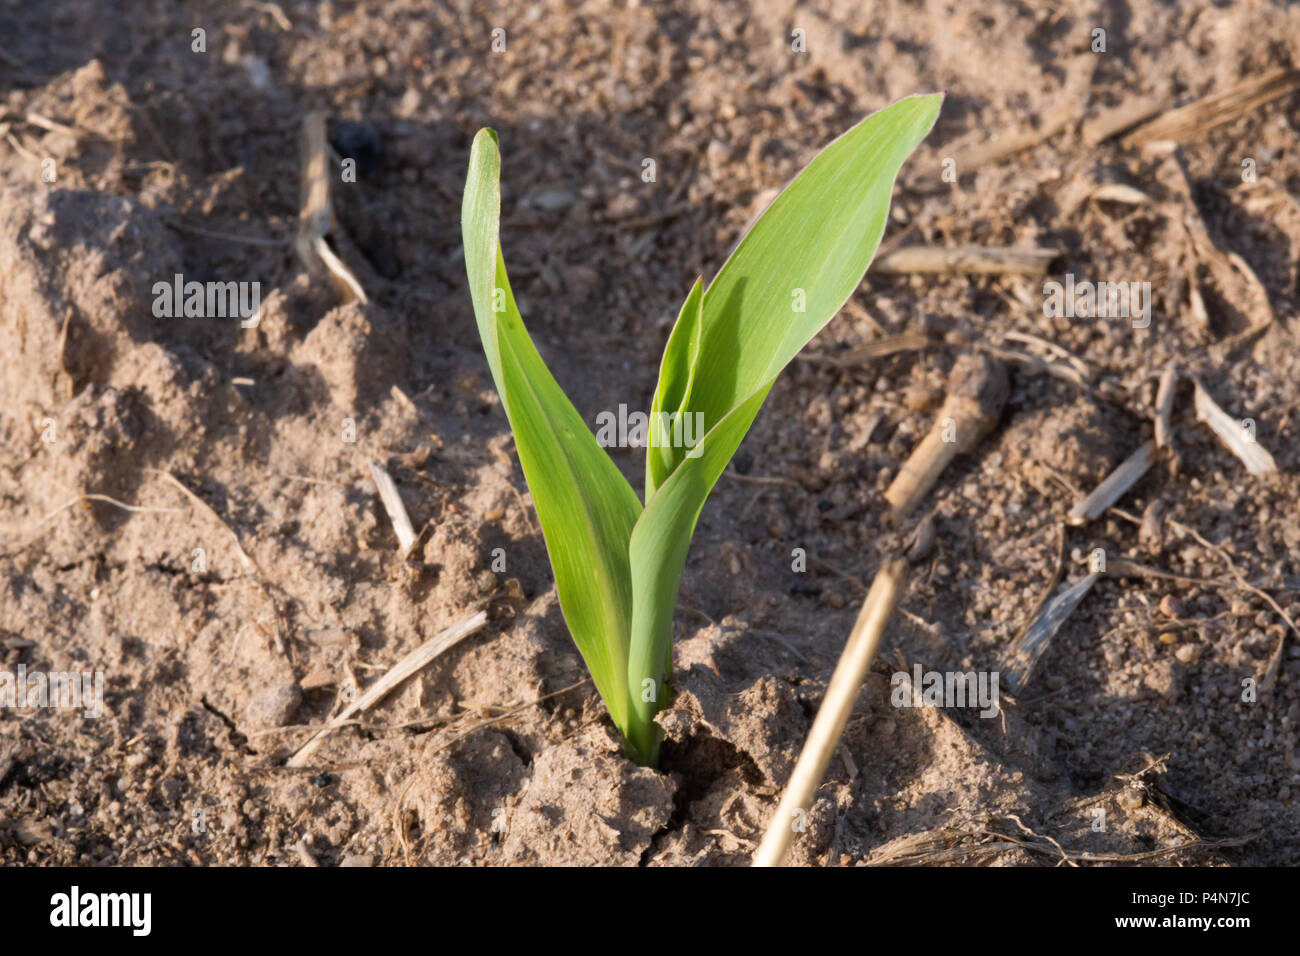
(1239, 436)
(393, 505)
(1114, 486)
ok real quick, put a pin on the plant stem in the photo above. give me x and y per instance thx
(641, 743)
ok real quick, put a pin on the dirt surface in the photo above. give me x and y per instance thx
(1132, 742)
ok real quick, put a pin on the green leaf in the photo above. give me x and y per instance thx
(818, 237)
(659, 544)
(618, 566)
(586, 507)
(809, 250)
(676, 380)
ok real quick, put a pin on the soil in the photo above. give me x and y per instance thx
(231, 624)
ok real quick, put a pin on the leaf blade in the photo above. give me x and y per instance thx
(676, 382)
(658, 549)
(585, 506)
(818, 235)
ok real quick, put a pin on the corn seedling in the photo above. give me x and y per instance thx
(618, 562)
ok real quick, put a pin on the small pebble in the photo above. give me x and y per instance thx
(1130, 798)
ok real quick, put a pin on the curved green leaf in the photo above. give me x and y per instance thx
(586, 507)
(659, 544)
(786, 279)
(808, 250)
(676, 381)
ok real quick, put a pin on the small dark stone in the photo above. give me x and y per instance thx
(825, 505)
(321, 780)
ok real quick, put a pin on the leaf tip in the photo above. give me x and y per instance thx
(484, 139)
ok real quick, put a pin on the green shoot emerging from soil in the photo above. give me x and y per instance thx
(617, 562)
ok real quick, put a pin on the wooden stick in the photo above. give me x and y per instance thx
(977, 390)
(886, 590)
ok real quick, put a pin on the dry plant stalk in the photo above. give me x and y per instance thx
(1118, 192)
(316, 215)
(388, 494)
(1165, 406)
(864, 640)
(1024, 652)
(1055, 120)
(1239, 436)
(1234, 276)
(1196, 119)
(244, 559)
(1120, 119)
(977, 390)
(970, 260)
(408, 665)
(1115, 485)
(879, 348)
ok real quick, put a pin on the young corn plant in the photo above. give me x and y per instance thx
(618, 562)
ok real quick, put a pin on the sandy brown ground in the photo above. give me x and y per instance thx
(211, 674)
